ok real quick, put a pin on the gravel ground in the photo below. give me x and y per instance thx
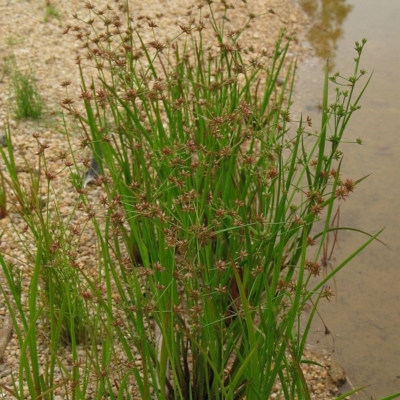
(42, 46)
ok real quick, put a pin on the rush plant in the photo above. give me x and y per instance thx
(28, 101)
(214, 197)
(210, 194)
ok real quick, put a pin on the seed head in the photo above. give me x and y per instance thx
(89, 5)
(156, 44)
(349, 185)
(313, 267)
(50, 175)
(65, 83)
(316, 209)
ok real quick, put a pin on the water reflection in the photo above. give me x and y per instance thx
(327, 17)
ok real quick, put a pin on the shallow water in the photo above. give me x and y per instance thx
(365, 316)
